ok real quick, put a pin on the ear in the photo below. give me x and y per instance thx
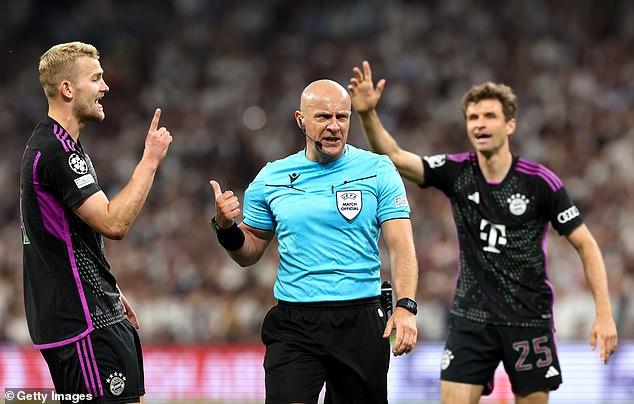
(66, 89)
(299, 119)
(510, 126)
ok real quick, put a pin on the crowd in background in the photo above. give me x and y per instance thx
(228, 75)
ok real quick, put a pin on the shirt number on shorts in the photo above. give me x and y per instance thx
(539, 348)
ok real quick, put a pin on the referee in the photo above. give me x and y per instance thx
(327, 205)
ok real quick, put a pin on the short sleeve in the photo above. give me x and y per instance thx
(392, 199)
(70, 175)
(257, 212)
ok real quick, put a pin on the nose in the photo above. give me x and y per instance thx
(333, 125)
(104, 87)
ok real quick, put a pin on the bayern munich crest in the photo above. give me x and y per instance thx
(77, 164)
(116, 381)
(518, 204)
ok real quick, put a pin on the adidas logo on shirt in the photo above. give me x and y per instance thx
(552, 372)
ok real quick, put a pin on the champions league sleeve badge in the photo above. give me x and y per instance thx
(349, 203)
(77, 164)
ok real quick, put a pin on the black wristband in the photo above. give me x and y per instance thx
(231, 238)
(408, 304)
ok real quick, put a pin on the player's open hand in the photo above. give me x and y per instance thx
(604, 334)
(157, 141)
(227, 206)
(406, 332)
(364, 95)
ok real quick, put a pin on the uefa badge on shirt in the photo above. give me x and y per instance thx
(349, 203)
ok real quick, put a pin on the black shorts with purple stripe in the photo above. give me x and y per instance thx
(107, 364)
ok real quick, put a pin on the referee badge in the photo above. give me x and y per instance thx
(349, 203)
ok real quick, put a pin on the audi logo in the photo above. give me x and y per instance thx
(568, 214)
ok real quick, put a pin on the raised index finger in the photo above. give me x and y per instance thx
(155, 120)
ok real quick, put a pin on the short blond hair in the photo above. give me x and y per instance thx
(58, 64)
(490, 90)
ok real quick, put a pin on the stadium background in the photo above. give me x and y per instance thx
(228, 75)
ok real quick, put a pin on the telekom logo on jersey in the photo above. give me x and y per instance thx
(493, 234)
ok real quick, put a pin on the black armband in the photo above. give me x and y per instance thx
(231, 238)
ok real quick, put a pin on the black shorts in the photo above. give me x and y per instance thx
(474, 350)
(107, 364)
(337, 343)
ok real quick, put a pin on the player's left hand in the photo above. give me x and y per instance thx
(129, 312)
(404, 323)
(604, 334)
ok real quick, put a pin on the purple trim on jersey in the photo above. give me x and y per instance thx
(83, 366)
(94, 364)
(459, 266)
(63, 137)
(65, 341)
(55, 222)
(459, 157)
(550, 285)
(494, 182)
(530, 168)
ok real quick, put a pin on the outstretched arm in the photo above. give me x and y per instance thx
(397, 234)
(603, 330)
(113, 218)
(249, 251)
(365, 97)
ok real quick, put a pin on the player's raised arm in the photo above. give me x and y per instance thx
(113, 218)
(365, 97)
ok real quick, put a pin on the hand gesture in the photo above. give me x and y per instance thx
(227, 206)
(157, 141)
(364, 95)
(604, 334)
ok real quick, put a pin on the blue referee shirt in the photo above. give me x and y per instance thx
(327, 218)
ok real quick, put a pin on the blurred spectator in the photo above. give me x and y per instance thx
(232, 70)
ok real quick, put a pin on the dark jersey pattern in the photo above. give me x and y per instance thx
(68, 287)
(501, 230)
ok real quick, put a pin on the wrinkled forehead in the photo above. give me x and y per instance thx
(484, 105)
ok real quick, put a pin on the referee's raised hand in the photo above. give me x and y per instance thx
(227, 206)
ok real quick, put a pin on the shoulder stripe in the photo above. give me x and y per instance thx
(531, 168)
(63, 138)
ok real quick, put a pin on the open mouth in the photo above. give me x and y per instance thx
(331, 140)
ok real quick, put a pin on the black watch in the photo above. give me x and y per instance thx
(214, 225)
(408, 304)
